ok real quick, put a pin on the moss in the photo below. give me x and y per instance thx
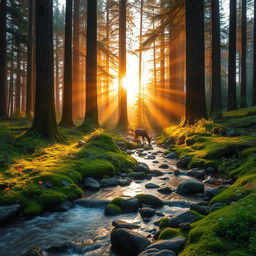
(117, 201)
(115, 208)
(32, 209)
(164, 222)
(169, 233)
(50, 198)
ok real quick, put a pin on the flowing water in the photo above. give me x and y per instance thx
(87, 229)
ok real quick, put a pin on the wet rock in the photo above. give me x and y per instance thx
(91, 184)
(202, 209)
(150, 200)
(155, 162)
(64, 206)
(210, 170)
(177, 172)
(147, 212)
(171, 155)
(164, 166)
(165, 178)
(183, 162)
(228, 182)
(137, 175)
(150, 157)
(216, 207)
(160, 214)
(165, 191)
(124, 224)
(175, 244)
(94, 203)
(124, 182)
(185, 217)
(130, 205)
(35, 252)
(149, 252)
(112, 209)
(65, 183)
(156, 252)
(8, 212)
(141, 167)
(211, 192)
(64, 249)
(151, 186)
(196, 173)
(211, 181)
(156, 173)
(127, 243)
(109, 182)
(189, 187)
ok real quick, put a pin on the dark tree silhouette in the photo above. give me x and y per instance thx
(44, 122)
(254, 56)
(216, 103)
(3, 41)
(91, 116)
(232, 102)
(195, 76)
(67, 117)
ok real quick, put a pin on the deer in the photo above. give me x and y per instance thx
(142, 133)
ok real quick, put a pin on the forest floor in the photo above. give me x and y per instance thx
(228, 145)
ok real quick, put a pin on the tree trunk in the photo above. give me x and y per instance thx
(44, 122)
(67, 117)
(30, 59)
(57, 80)
(254, 57)
(3, 42)
(243, 56)
(216, 103)
(123, 115)
(91, 117)
(107, 84)
(195, 76)
(232, 102)
(18, 84)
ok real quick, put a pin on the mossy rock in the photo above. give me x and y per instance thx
(164, 222)
(112, 209)
(49, 199)
(169, 233)
(117, 201)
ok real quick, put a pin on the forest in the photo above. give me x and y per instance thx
(127, 127)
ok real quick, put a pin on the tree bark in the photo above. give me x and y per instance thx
(254, 56)
(216, 103)
(232, 101)
(67, 113)
(195, 75)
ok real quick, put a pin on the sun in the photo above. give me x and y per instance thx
(130, 84)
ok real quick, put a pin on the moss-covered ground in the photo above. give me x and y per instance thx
(228, 145)
(40, 175)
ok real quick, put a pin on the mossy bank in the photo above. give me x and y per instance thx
(229, 146)
(39, 175)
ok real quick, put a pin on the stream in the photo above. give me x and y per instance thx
(86, 230)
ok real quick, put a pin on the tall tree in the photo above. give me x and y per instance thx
(91, 116)
(243, 55)
(67, 113)
(123, 115)
(195, 76)
(30, 59)
(232, 101)
(44, 122)
(3, 41)
(254, 56)
(216, 103)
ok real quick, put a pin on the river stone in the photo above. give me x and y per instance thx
(175, 244)
(211, 192)
(127, 242)
(165, 191)
(156, 173)
(91, 184)
(196, 173)
(210, 180)
(130, 205)
(202, 209)
(110, 211)
(151, 186)
(109, 182)
(8, 212)
(185, 217)
(137, 175)
(155, 252)
(183, 162)
(150, 157)
(189, 187)
(155, 162)
(141, 167)
(124, 182)
(164, 166)
(217, 206)
(35, 252)
(124, 224)
(149, 252)
(150, 200)
(64, 206)
(147, 212)
(171, 155)
(210, 170)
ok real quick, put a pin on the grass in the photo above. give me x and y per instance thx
(40, 175)
(231, 230)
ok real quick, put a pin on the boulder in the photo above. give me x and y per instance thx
(141, 167)
(150, 200)
(189, 187)
(124, 224)
(8, 212)
(149, 252)
(210, 180)
(91, 184)
(165, 191)
(137, 175)
(147, 212)
(196, 173)
(185, 217)
(127, 242)
(64, 206)
(202, 209)
(130, 205)
(183, 162)
(151, 186)
(164, 166)
(109, 182)
(124, 182)
(112, 209)
(211, 192)
(156, 173)
(171, 155)
(155, 252)
(175, 244)
(35, 252)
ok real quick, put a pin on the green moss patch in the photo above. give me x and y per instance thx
(169, 233)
